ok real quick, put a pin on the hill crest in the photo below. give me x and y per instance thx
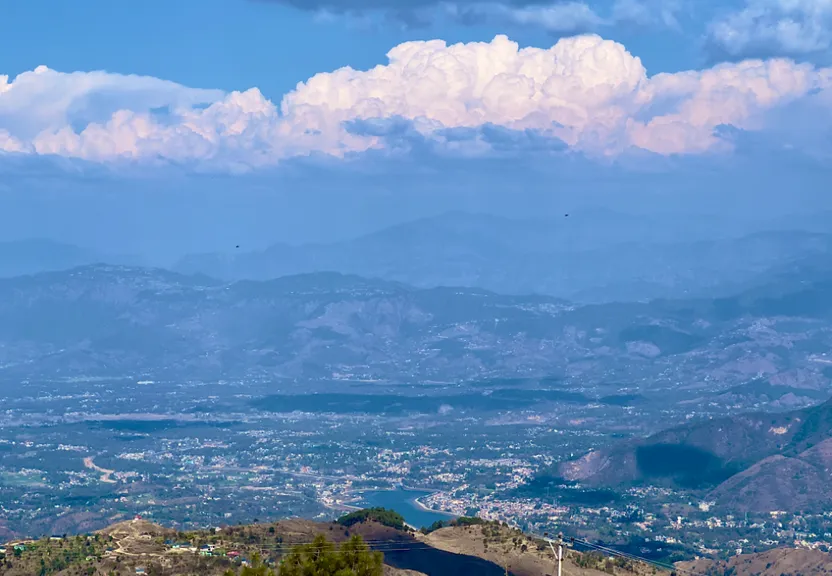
(756, 462)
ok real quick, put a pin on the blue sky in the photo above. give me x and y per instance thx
(232, 45)
(558, 94)
(237, 44)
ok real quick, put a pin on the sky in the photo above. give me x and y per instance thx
(191, 125)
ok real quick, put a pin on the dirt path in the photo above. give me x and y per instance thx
(132, 538)
(105, 474)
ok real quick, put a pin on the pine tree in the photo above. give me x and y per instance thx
(323, 558)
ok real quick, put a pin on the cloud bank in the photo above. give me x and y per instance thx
(588, 93)
(761, 27)
(557, 16)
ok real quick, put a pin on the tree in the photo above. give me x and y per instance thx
(257, 568)
(383, 516)
(323, 558)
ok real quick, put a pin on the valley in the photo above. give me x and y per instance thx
(416, 288)
(196, 402)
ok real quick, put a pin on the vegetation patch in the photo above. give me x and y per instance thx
(383, 516)
(688, 466)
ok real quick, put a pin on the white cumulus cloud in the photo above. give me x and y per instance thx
(43, 99)
(10, 144)
(588, 92)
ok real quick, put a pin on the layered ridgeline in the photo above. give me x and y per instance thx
(33, 256)
(103, 320)
(140, 547)
(590, 256)
(748, 463)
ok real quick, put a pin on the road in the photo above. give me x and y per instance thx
(105, 474)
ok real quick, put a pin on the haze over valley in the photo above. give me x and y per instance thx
(416, 288)
(144, 391)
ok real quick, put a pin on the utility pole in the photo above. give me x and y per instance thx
(560, 554)
(557, 552)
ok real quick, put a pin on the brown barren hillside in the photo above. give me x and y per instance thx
(770, 563)
(523, 555)
(390, 571)
(781, 483)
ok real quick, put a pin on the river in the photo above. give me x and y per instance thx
(403, 502)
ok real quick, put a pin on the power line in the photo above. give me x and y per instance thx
(629, 556)
(300, 542)
(375, 547)
(613, 552)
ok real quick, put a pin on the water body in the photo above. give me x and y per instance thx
(404, 502)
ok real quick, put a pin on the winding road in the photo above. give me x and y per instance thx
(105, 474)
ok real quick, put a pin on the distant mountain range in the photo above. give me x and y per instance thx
(591, 256)
(119, 320)
(33, 256)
